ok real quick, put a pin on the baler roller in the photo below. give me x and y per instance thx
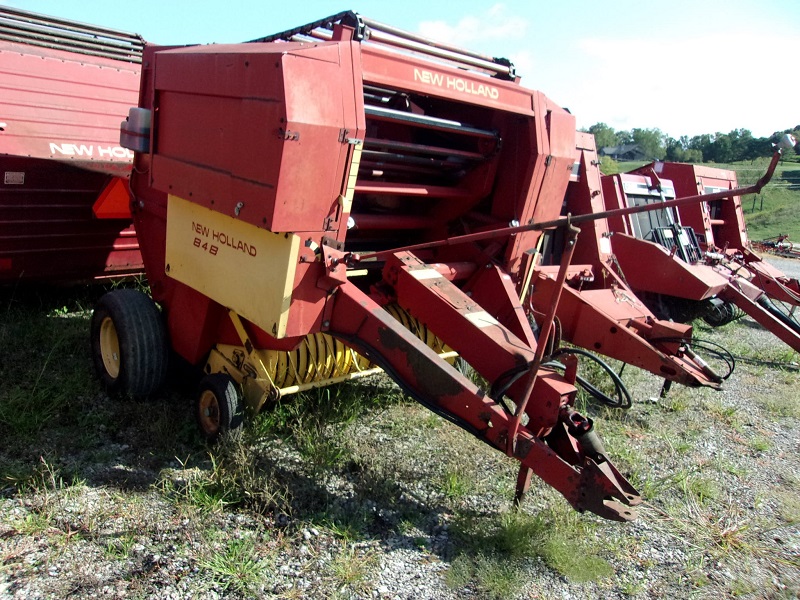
(24, 27)
(369, 30)
(434, 123)
(319, 360)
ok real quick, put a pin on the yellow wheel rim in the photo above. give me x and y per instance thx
(209, 412)
(109, 347)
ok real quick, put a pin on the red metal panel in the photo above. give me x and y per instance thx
(66, 107)
(641, 260)
(48, 230)
(59, 148)
(223, 109)
(408, 72)
(555, 154)
(721, 223)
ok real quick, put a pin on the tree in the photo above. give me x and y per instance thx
(674, 150)
(702, 143)
(651, 141)
(604, 135)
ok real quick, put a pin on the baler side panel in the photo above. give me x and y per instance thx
(640, 259)
(288, 105)
(554, 159)
(60, 150)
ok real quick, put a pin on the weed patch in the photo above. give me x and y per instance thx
(560, 538)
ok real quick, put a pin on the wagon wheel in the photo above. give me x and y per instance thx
(129, 343)
(219, 406)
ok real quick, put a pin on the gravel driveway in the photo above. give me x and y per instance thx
(117, 499)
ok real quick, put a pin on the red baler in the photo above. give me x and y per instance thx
(64, 204)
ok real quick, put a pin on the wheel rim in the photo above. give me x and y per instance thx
(109, 347)
(209, 412)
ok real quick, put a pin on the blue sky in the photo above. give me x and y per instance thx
(684, 66)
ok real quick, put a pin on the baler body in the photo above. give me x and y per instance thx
(64, 201)
(598, 311)
(690, 284)
(721, 229)
(272, 165)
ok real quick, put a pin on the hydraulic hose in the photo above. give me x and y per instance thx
(623, 398)
(709, 348)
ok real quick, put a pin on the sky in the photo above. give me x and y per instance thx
(686, 67)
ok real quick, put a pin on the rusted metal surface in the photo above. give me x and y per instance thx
(587, 481)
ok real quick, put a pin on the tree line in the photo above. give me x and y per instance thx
(738, 144)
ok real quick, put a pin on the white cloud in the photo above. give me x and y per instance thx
(496, 23)
(688, 86)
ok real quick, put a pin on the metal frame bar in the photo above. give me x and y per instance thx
(25, 27)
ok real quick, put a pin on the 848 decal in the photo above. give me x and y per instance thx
(210, 248)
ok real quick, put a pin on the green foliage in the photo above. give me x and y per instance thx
(608, 166)
(351, 566)
(235, 565)
(651, 141)
(311, 421)
(494, 577)
(736, 145)
(558, 535)
(604, 135)
(774, 211)
(457, 483)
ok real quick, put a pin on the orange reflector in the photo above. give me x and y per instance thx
(114, 201)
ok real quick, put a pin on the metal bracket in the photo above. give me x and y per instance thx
(289, 136)
(344, 139)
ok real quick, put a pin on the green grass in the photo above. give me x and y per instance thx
(351, 567)
(494, 553)
(235, 564)
(358, 463)
(774, 211)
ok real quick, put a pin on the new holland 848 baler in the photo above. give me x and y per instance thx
(344, 197)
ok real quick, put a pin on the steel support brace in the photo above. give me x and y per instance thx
(588, 481)
(599, 320)
(761, 316)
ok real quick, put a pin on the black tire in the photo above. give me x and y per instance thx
(129, 343)
(219, 406)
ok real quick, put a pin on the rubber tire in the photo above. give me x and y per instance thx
(219, 406)
(131, 321)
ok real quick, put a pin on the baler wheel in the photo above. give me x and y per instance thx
(219, 406)
(129, 343)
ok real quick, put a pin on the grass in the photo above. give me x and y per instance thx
(773, 211)
(351, 567)
(494, 553)
(362, 466)
(457, 483)
(236, 565)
